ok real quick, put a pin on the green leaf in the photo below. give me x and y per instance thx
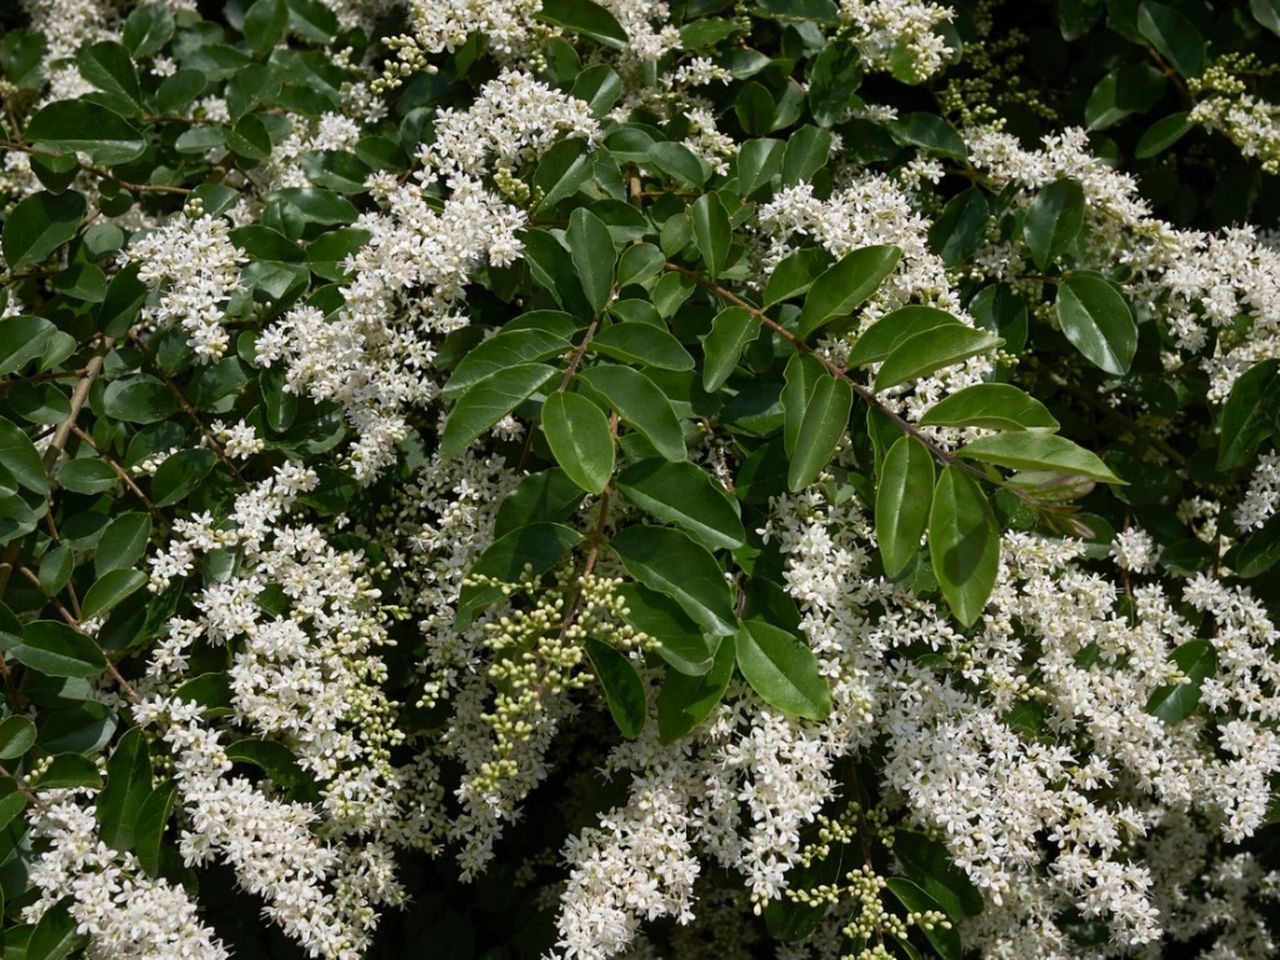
(931, 133)
(17, 736)
(147, 29)
(991, 406)
(180, 475)
(1176, 37)
(826, 415)
(1248, 416)
(684, 494)
(640, 404)
(623, 688)
(591, 247)
(507, 349)
(149, 827)
(782, 670)
(55, 569)
(669, 562)
(685, 701)
(22, 339)
(561, 171)
(806, 154)
(113, 587)
(83, 127)
(579, 437)
(139, 399)
(1053, 221)
(961, 226)
(680, 641)
(128, 786)
(845, 285)
(1260, 552)
(1173, 703)
(122, 543)
(894, 328)
(639, 262)
(108, 67)
(39, 225)
(634, 341)
(731, 331)
(924, 353)
(903, 496)
(1162, 135)
(1267, 13)
(1098, 322)
(540, 545)
(964, 543)
(587, 18)
(795, 274)
(57, 650)
(758, 163)
(547, 495)
(802, 373)
(69, 770)
(930, 866)
(1131, 89)
(487, 402)
(54, 936)
(678, 161)
(1027, 450)
(264, 24)
(86, 475)
(18, 455)
(711, 232)
(943, 939)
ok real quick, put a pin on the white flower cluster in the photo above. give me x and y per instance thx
(1262, 499)
(1252, 123)
(125, 913)
(1197, 283)
(196, 267)
(899, 35)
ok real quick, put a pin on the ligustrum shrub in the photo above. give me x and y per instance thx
(576, 479)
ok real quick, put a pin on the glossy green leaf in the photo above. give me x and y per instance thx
(148, 831)
(86, 475)
(56, 934)
(1248, 416)
(826, 416)
(128, 786)
(108, 67)
(1162, 135)
(18, 455)
(180, 475)
(904, 493)
(83, 127)
(591, 247)
(123, 542)
(147, 29)
(783, 670)
(845, 285)
(487, 402)
(1173, 703)
(943, 938)
(960, 228)
(579, 437)
(1028, 450)
(114, 586)
(803, 371)
(1096, 319)
(633, 341)
(1053, 221)
(922, 354)
(795, 274)
(671, 563)
(681, 642)
(623, 688)
(886, 334)
(39, 225)
(57, 650)
(930, 866)
(586, 18)
(711, 232)
(1176, 37)
(685, 701)
(991, 406)
(964, 543)
(684, 494)
(640, 405)
(731, 331)
(540, 545)
(17, 736)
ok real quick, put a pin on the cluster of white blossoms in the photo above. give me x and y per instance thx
(1252, 123)
(125, 913)
(1262, 498)
(195, 266)
(1198, 284)
(899, 35)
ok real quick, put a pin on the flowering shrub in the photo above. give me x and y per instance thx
(640, 478)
